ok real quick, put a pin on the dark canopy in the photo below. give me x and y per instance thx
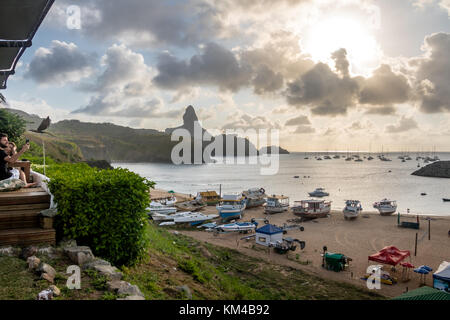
(19, 21)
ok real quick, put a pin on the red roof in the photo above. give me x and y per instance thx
(390, 255)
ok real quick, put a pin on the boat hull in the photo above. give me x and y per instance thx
(252, 203)
(230, 215)
(274, 210)
(351, 214)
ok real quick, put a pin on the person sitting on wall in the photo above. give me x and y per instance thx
(12, 150)
(6, 160)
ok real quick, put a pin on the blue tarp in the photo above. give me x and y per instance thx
(443, 272)
(269, 229)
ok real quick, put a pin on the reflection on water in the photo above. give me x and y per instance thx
(367, 181)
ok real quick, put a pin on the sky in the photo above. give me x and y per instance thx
(329, 75)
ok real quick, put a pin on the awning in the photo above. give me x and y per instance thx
(19, 21)
(390, 255)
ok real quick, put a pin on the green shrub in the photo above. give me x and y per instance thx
(103, 209)
(12, 124)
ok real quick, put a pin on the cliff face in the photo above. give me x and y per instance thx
(267, 150)
(439, 169)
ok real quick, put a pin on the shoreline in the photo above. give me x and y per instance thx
(356, 239)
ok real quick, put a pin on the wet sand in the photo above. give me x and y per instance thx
(357, 239)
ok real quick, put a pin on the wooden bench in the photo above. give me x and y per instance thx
(26, 165)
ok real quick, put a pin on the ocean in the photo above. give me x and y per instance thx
(367, 181)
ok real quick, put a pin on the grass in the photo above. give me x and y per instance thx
(17, 283)
(213, 272)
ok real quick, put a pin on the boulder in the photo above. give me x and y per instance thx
(28, 252)
(45, 295)
(47, 277)
(9, 251)
(46, 268)
(123, 287)
(110, 272)
(79, 255)
(96, 262)
(66, 243)
(33, 263)
(55, 290)
(186, 291)
(132, 298)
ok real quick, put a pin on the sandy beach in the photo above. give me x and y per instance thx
(356, 239)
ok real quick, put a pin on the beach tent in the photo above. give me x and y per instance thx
(268, 235)
(424, 293)
(19, 21)
(441, 278)
(390, 255)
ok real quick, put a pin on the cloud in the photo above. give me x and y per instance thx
(300, 120)
(245, 121)
(323, 91)
(138, 108)
(384, 87)
(432, 75)
(215, 65)
(404, 124)
(60, 64)
(125, 69)
(341, 62)
(384, 111)
(304, 129)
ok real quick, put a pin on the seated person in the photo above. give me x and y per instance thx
(7, 157)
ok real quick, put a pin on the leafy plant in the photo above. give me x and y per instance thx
(103, 209)
(12, 124)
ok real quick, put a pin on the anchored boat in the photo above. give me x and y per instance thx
(352, 209)
(276, 204)
(386, 207)
(312, 209)
(319, 192)
(231, 207)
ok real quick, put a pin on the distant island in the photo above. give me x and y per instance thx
(268, 150)
(439, 169)
(74, 140)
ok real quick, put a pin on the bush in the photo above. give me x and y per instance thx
(103, 209)
(12, 124)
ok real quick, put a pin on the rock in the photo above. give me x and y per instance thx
(68, 243)
(109, 271)
(79, 255)
(123, 287)
(49, 213)
(28, 252)
(438, 169)
(45, 295)
(95, 262)
(46, 268)
(47, 277)
(55, 289)
(33, 263)
(99, 164)
(132, 298)
(9, 251)
(185, 289)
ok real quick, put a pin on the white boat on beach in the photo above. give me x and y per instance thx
(352, 209)
(157, 207)
(276, 204)
(386, 207)
(231, 206)
(237, 227)
(319, 192)
(188, 217)
(312, 209)
(255, 197)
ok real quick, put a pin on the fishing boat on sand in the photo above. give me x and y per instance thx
(276, 204)
(352, 209)
(311, 209)
(255, 197)
(157, 207)
(386, 207)
(188, 217)
(192, 205)
(231, 207)
(210, 198)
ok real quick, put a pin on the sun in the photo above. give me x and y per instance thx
(328, 35)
